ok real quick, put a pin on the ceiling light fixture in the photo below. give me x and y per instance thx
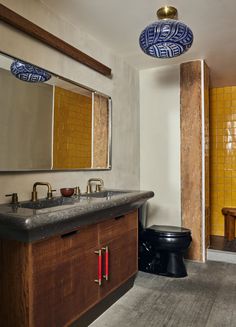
(29, 73)
(168, 37)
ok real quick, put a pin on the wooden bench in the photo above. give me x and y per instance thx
(230, 216)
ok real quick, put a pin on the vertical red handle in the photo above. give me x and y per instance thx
(99, 280)
(106, 249)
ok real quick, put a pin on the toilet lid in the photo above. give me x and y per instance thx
(168, 230)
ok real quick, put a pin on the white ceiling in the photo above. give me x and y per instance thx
(118, 24)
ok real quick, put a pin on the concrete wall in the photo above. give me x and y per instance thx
(28, 108)
(123, 88)
(160, 143)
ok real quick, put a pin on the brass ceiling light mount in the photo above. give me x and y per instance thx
(167, 12)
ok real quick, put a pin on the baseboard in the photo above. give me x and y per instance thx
(221, 256)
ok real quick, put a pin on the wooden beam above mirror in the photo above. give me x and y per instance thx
(17, 21)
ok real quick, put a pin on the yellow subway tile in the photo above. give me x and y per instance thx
(228, 174)
(220, 97)
(228, 185)
(233, 180)
(220, 173)
(219, 90)
(233, 198)
(227, 96)
(228, 105)
(228, 89)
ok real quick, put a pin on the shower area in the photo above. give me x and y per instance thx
(223, 169)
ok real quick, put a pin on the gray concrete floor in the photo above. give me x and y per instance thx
(207, 297)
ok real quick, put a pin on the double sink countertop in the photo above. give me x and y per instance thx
(32, 221)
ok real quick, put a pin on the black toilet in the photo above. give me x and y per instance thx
(161, 249)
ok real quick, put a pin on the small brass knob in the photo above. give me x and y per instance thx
(88, 189)
(14, 199)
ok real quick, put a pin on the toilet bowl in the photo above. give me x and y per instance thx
(161, 249)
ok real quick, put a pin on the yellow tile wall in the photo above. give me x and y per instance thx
(72, 130)
(222, 154)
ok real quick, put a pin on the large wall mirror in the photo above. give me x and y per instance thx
(51, 125)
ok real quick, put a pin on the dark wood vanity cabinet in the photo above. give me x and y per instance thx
(53, 282)
(64, 269)
(121, 238)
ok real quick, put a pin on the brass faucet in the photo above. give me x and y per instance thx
(99, 186)
(35, 195)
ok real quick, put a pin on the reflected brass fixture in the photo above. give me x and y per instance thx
(35, 195)
(77, 190)
(14, 199)
(99, 186)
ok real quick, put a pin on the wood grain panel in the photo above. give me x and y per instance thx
(123, 260)
(114, 228)
(121, 237)
(15, 284)
(101, 125)
(191, 153)
(63, 277)
(10, 17)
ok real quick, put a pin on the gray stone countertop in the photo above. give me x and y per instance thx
(29, 225)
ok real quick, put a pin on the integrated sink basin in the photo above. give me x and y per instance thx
(47, 203)
(103, 194)
(60, 201)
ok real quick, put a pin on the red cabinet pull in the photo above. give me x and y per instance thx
(99, 280)
(106, 249)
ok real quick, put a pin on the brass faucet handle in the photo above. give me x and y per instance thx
(49, 194)
(14, 199)
(98, 188)
(77, 190)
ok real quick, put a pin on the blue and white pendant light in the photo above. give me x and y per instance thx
(166, 38)
(29, 73)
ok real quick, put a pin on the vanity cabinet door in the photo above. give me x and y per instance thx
(120, 237)
(64, 269)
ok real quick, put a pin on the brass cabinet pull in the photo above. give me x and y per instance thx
(106, 249)
(99, 280)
